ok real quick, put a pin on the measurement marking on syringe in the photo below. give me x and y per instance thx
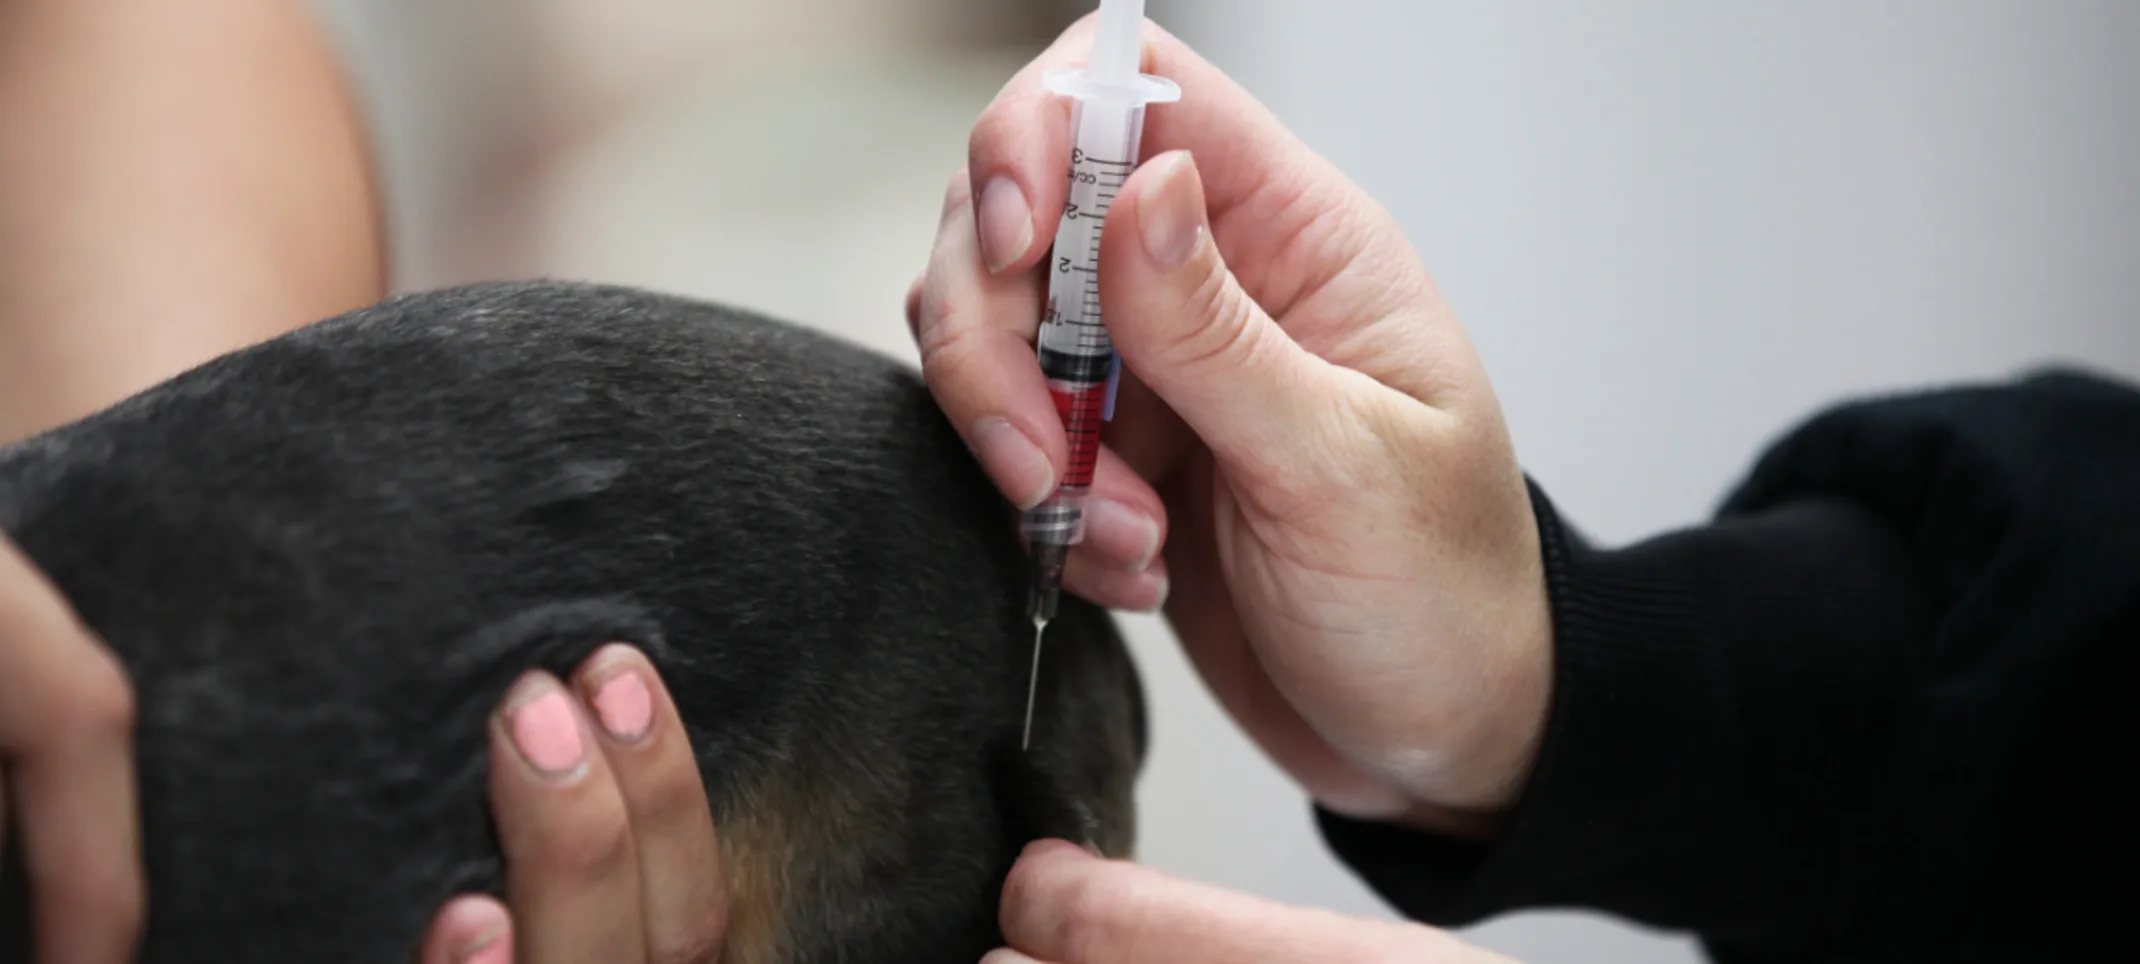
(1076, 355)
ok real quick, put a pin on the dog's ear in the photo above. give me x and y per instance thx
(1038, 802)
(1077, 780)
(15, 937)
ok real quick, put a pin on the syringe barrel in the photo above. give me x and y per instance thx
(1076, 354)
(1060, 519)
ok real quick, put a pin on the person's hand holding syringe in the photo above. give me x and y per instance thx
(1296, 403)
(1353, 564)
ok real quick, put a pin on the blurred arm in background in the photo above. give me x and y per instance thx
(176, 181)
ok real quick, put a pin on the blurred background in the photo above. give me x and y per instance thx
(1673, 227)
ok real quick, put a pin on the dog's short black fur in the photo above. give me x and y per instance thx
(324, 559)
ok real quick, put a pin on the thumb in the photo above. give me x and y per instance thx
(1066, 906)
(1184, 325)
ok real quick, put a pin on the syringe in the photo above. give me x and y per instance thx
(1076, 355)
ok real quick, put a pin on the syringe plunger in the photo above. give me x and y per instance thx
(1118, 41)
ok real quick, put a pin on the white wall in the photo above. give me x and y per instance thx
(1672, 227)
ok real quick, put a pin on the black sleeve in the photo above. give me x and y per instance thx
(1874, 711)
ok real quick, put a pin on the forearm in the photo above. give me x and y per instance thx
(176, 180)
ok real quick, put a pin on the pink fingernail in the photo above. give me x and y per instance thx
(544, 730)
(625, 706)
(498, 951)
(493, 929)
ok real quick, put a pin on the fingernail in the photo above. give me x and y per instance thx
(1170, 212)
(1135, 592)
(1047, 844)
(543, 728)
(486, 920)
(1118, 589)
(1154, 583)
(1127, 535)
(624, 705)
(1018, 465)
(491, 948)
(1005, 222)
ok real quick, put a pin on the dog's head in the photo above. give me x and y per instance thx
(325, 558)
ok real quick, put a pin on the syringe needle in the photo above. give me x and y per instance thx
(1032, 686)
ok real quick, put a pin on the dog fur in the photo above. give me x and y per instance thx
(324, 559)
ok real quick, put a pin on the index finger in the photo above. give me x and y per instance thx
(66, 728)
(1244, 154)
(683, 887)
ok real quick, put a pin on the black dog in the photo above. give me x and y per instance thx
(324, 560)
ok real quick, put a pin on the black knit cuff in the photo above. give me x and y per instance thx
(1724, 704)
(1630, 737)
